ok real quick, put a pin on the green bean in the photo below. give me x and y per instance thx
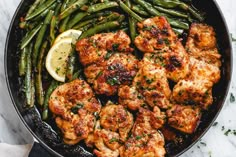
(84, 23)
(132, 23)
(54, 23)
(153, 11)
(72, 8)
(71, 65)
(113, 16)
(100, 28)
(77, 74)
(101, 6)
(28, 78)
(41, 35)
(64, 24)
(97, 14)
(78, 17)
(22, 62)
(40, 9)
(129, 11)
(178, 31)
(65, 4)
(33, 7)
(54, 84)
(182, 5)
(139, 10)
(38, 77)
(171, 12)
(29, 36)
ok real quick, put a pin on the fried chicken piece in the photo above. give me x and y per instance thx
(202, 45)
(201, 70)
(106, 77)
(130, 97)
(148, 121)
(106, 142)
(97, 48)
(162, 47)
(147, 145)
(152, 82)
(74, 105)
(197, 92)
(116, 118)
(175, 61)
(155, 35)
(184, 118)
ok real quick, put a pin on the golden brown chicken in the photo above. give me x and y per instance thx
(107, 76)
(106, 142)
(152, 82)
(184, 118)
(108, 61)
(146, 145)
(74, 105)
(162, 47)
(130, 97)
(155, 35)
(117, 119)
(202, 44)
(99, 47)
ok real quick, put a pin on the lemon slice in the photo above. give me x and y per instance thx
(56, 60)
(71, 33)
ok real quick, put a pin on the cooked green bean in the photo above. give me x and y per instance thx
(178, 4)
(54, 84)
(84, 23)
(97, 14)
(64, 5)
(71, 65)
(72, 8)
(153, 11)
(113, 16)
(28, 78)
(40, 9)
(64, 24)
(77, 74)
(38, 76)
(41, 35)
(132, 23)
(22, 62)
(100, 28)
(78, 17)
(129, 11)
(178, 31)
(101, 6)
(33, 7)
(54, 23)
(171, 12)
(139, 10)
(29, 36)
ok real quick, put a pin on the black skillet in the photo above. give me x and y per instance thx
(51, 142)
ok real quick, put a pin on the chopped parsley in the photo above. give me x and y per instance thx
(232, 98)
(109, 54)
(99, 74)
(215, 124)
(113, 139)
(113, 81)
(75, 109)
(138, 137)
(115, 47)
(227, 132)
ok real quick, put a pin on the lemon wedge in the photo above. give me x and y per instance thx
(56, 60)
(71, 33)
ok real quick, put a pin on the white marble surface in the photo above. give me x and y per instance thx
(217, 144)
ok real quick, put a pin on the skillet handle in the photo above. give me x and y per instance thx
(38, 151)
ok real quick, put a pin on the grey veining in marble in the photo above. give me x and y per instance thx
(214, 144)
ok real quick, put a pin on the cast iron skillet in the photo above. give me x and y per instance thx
(52, 142)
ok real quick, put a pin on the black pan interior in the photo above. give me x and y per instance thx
(52, 141)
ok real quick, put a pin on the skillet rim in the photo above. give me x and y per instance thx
(52, 151)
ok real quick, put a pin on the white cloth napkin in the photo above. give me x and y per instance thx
(7, 150)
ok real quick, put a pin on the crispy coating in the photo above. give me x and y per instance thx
(162, 47)
(201, 70)
(202, 44)
(106, 142)
(74, 105)
(130, 97)
(96, 48)
(146, 145)
(196, 92)
(148, 121)
(106, 77)
(116, 118)
(152, 82)
(155, 35)
(175, 61)
(184, 118)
